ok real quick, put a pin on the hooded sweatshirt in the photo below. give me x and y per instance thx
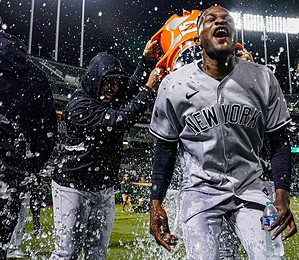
(27, 115)
(94, 129)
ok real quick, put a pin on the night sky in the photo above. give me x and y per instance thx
(120, 27)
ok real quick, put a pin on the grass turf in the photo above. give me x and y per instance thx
(130, 238)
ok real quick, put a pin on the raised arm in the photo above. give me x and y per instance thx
(92, 113)
(144, 67)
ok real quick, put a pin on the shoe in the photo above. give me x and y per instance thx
(16, 253)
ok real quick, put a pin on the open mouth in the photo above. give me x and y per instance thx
(221, 32)
(108, 96)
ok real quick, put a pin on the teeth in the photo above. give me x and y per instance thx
(221, 30)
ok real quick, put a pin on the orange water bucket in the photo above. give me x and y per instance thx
(175, 36)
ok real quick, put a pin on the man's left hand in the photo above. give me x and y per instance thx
(285, 216)
(152, 50)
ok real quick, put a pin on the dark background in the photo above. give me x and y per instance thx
(122, 27)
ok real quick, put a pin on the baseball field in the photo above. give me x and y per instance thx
(130, 238)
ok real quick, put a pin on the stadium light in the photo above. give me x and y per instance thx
(276, 24)
(268, 24)
(238, 20)
(251, 22)
(293, 25)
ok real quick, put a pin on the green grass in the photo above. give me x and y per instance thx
(130, 238)
(127, 227)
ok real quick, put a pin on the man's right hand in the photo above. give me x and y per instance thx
(159, 226)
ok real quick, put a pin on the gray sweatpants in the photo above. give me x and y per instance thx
(83, 222)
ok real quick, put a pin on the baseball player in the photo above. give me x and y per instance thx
(219, 114)
(126, 192)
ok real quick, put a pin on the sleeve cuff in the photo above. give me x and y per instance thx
(148, 62)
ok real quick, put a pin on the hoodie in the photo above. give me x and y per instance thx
(27, 115)
(94, 129)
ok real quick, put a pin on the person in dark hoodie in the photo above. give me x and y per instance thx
(106, 104)
(27, 129)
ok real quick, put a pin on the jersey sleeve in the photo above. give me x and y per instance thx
(164, 122)
(278, 113)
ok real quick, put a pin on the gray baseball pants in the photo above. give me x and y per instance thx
(202, 231)
(83, 222)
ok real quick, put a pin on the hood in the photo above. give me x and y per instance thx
(102, 65)
(14, 58)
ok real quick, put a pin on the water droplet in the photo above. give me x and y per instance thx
(119, 118)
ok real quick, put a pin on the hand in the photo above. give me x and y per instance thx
(159, 226)
(155, 78)
(152, 50)
(247, 56)
(285, 216)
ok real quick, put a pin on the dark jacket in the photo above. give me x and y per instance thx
(27, 115)
(94, 129)
(126, 187)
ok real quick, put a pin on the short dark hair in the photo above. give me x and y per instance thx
(199, 17)
(195, 38)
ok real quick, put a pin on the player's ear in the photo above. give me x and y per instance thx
(200, 37)
(200, 41)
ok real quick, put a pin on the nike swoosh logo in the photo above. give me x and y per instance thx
(188, 96)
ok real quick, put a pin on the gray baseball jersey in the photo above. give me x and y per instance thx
(220, 126)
